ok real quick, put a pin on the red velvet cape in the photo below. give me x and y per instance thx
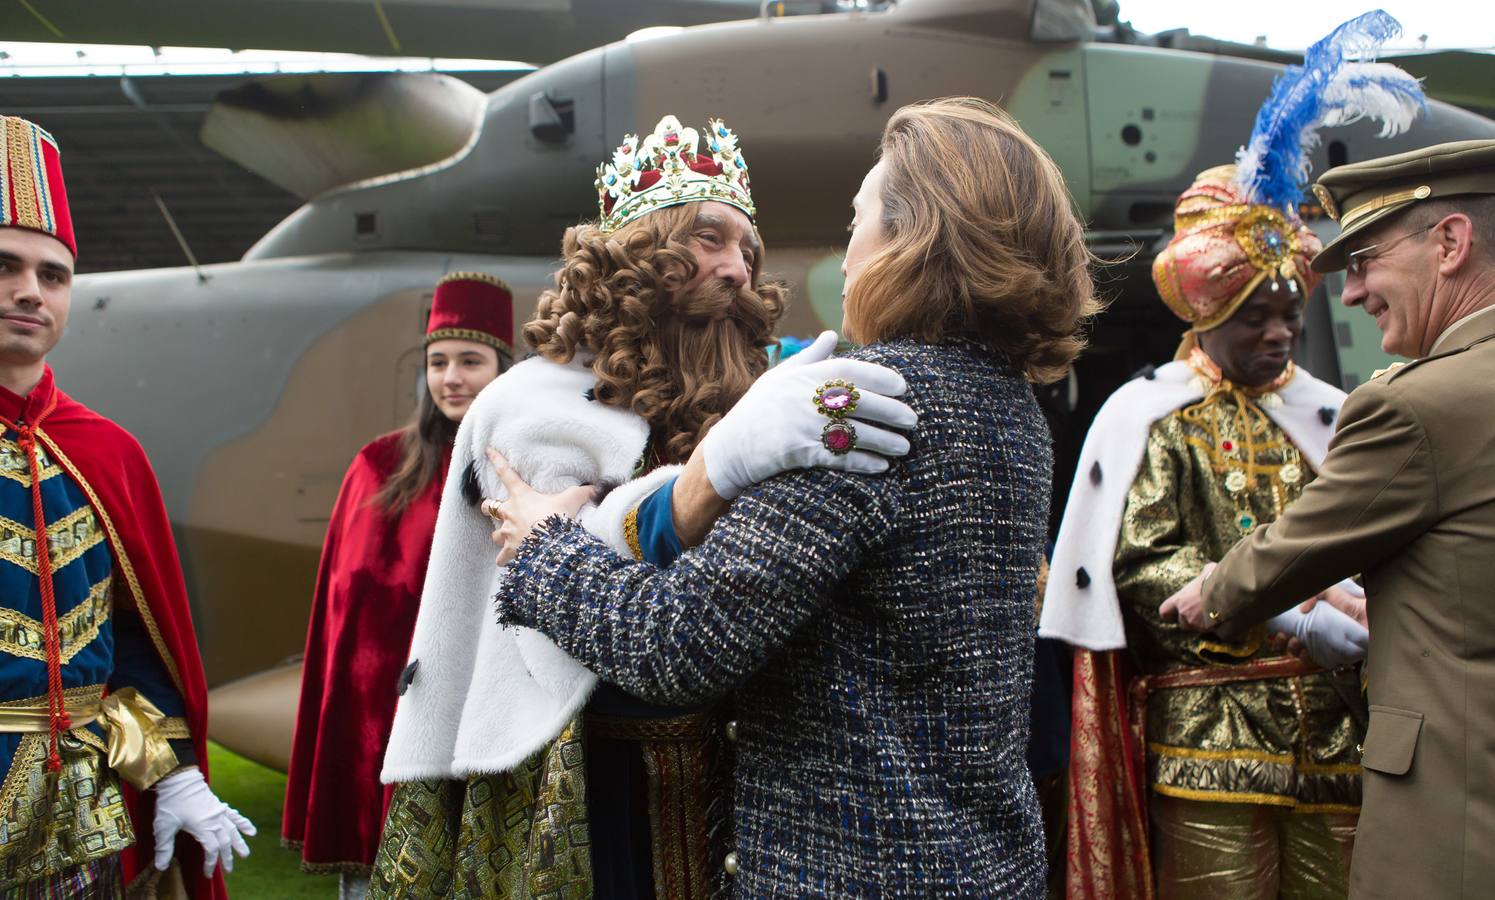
(112, 470)
(363, 615)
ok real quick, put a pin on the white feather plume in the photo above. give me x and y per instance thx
(1377, 91)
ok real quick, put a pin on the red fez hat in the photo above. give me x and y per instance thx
(32, 195)
(473, 306)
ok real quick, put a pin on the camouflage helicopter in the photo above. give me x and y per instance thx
(264, 376)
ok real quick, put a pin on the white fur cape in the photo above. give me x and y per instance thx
(1090, 616)
(485, 697)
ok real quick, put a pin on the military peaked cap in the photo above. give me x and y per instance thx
(1359, 194)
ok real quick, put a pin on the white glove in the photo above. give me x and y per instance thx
(776, 426)
(1331, 638)
(185, 802)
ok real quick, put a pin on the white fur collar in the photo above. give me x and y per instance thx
(1090, 616)
(483, 697)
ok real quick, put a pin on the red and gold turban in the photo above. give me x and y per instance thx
(1224, 246)
(473, 306)
(32, 194)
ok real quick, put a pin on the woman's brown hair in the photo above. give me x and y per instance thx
(982, 239)
(679, 360)
(423, 445)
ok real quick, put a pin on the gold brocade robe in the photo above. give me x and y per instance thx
(1213, 472)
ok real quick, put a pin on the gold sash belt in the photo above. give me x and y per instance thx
(138, 750)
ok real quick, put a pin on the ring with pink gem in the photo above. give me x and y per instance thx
(839, 437)
(837, 399)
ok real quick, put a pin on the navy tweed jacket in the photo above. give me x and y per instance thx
(875, 635)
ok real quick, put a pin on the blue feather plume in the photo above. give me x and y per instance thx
(1326, 90)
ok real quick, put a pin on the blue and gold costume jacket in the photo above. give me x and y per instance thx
(51, 823)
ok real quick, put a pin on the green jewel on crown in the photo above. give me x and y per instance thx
(670, 151)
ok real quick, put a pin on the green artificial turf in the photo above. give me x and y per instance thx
(271, 872)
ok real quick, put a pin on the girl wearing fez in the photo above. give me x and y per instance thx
(875, 632)
(369, 585)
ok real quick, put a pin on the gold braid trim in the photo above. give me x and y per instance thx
(1285, 759)
(74, 695)
(58, 531)
(1223, 796)
(31, 746)
(13, 462)
(44, 189)
(1246, 797)
(22, 636)
(23, 173)
(474, 276)
(1350, 217)
(630, 534)
(128, 570)
(174, 728)
(1313, 808)
(4, 173)
(471, 334)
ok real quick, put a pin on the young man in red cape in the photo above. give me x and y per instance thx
(103, 706)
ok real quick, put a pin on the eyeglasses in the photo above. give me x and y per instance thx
(1357, 259)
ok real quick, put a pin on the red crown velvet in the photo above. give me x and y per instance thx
(473, 306)
(31, 187)
(665, 169)
(648, 178)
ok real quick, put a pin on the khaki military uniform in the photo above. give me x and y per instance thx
(1406, 495)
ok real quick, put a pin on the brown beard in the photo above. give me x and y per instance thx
(701, 360)
(677, 359)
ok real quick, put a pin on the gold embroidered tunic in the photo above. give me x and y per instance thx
(1213, 471)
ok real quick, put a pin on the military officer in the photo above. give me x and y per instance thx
(1406, 496)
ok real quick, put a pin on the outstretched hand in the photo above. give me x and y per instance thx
(1187, 605)
(525, 507)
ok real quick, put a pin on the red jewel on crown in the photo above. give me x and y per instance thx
(1227, 446)
(666, 168)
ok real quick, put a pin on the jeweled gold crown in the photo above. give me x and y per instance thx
(665, 169)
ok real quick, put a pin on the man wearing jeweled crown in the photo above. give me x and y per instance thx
(517, 773)
(1204, 767)
(103, 706)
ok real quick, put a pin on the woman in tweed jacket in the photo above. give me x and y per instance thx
(874, 634)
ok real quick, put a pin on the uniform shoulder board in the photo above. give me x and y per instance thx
(1396, 370)
(1391, 368)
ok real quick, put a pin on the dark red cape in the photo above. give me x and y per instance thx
(111, 468)
(362, 617)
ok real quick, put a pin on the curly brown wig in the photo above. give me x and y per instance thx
(677, 358)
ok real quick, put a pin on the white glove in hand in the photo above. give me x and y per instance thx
(185, 802)
(1331, 638)
(776, 427)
